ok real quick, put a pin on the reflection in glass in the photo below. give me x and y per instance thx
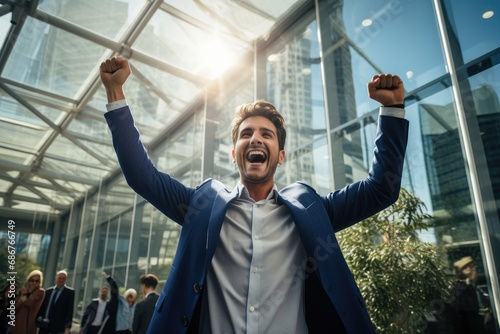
(472, 27)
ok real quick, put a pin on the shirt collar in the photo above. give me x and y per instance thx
(243, 193)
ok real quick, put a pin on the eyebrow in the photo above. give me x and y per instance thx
(264, 129)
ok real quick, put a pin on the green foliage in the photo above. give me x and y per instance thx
(401, 277)
(23, 265)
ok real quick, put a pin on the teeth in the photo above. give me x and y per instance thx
(256, 152)
(256, 156)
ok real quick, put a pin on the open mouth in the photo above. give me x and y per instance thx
(256, 157)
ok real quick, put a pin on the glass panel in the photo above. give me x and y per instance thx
(111, 243)
(224, 169)
(4, 185)
(152, 111)
(13, 156)
(123, 240)
(99, 100)
(295, 87)
(189, 47)
(109, 18)
(12, 134)
(164, 245)
(469, 20)
(485, 97)
(455, 231)
(180, 154)
(253, 18)
(195, 11)
(4, 27)
(147, 254)
(92, 128)
(52, 59)
(378, 30)
(119, 197)
(72, 168)
(12, 111)
(58, 196)
(62, 147)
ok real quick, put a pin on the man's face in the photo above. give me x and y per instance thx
(103, 294)
(60, 280)
(470, 272)
(256, 151)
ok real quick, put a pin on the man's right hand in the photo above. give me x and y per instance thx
(114, 73)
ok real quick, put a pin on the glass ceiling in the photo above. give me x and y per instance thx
(54, 142)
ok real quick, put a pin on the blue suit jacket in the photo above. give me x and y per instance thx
(332, 301)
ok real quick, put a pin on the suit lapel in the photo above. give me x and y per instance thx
(302, 220)
(215, 221)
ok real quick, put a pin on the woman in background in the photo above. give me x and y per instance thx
(28, 303)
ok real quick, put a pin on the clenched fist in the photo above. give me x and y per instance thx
(114, 73)
(387, 89)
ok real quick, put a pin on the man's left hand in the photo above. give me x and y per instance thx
(387, 89)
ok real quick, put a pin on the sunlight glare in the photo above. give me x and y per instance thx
(216, 57)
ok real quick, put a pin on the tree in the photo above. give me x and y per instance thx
(23, 265)
(401, 277)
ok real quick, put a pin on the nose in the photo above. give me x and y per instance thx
(256, 139)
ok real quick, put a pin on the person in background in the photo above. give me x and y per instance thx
(57, 307)
(95, 314)
(145, 308)
(123, 312)
(471, 308)
(28, 303)
(126, 310)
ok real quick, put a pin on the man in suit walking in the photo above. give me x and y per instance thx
(57, 307)
(145, 308)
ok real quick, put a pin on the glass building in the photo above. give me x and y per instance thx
(193, 62)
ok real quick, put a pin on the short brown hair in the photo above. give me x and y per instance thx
(149, 280)
(259, 108)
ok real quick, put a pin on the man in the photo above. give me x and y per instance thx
(57, 306)
(120, 309)
(96, 314)
(471, 308)
(111, 314)
(145, 308)
(255, 259)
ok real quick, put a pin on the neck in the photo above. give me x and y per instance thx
(258, 191)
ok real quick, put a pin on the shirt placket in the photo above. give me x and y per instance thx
(254, 286)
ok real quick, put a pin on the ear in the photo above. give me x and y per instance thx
(281, 157)
(233, 156)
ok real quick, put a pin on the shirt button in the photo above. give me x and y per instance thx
(254, 270)
(252, 309)
(256, 237)
(185, 320)
(196, 288)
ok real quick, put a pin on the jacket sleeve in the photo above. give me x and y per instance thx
(166, 193)
(86, 314)
(113, 302)
(380, 188)
(33, 301)
(69, 308)
(136, 324)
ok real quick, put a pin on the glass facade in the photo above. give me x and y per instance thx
(59, 178)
